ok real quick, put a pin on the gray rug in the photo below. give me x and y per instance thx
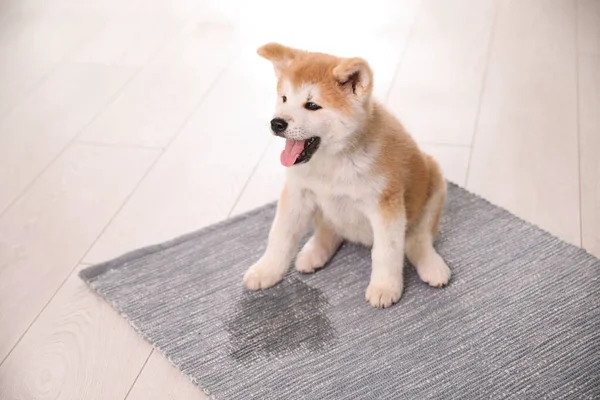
(520, 318)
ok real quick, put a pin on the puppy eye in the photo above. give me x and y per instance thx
(284, 98)
(312, 106)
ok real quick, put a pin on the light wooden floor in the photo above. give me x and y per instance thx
(127, 122)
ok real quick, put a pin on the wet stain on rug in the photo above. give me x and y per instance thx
(288, 318)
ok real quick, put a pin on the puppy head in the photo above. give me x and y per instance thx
(322, 100)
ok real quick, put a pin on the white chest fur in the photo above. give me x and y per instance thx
(343, 189)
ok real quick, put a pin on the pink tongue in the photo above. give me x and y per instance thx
(292, 150)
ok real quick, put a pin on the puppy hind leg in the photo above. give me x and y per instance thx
(387, 255)
(430, 266)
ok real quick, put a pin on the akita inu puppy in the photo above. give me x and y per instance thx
(354, 171)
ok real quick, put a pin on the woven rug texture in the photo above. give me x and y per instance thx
(520, 318)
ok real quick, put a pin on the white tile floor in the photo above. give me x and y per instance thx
(127, 122)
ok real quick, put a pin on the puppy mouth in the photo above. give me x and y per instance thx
(299, 151)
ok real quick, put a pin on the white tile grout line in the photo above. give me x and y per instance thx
(52, 69)
(30, 90)
(404, 50)
(66, 146)
(578, 113)
(101, 110)
(26, 189)
(482, 90)
(150, 168)
(139, 373)
(116, 145)
(243, 190)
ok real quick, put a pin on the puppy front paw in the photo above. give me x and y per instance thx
(382, 294)
(263, 275)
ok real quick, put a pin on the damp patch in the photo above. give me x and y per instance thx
(289, 318)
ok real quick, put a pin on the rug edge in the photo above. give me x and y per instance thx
(140, 332)
(92, 272)
(89, 274)
(526, 222)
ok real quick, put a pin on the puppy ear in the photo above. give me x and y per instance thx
(355, 75)
(281, 56)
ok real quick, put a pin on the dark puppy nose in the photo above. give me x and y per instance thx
(278, 125)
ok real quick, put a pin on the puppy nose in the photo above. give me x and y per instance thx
(278, 125)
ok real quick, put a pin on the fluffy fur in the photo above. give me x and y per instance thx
(368, 182)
